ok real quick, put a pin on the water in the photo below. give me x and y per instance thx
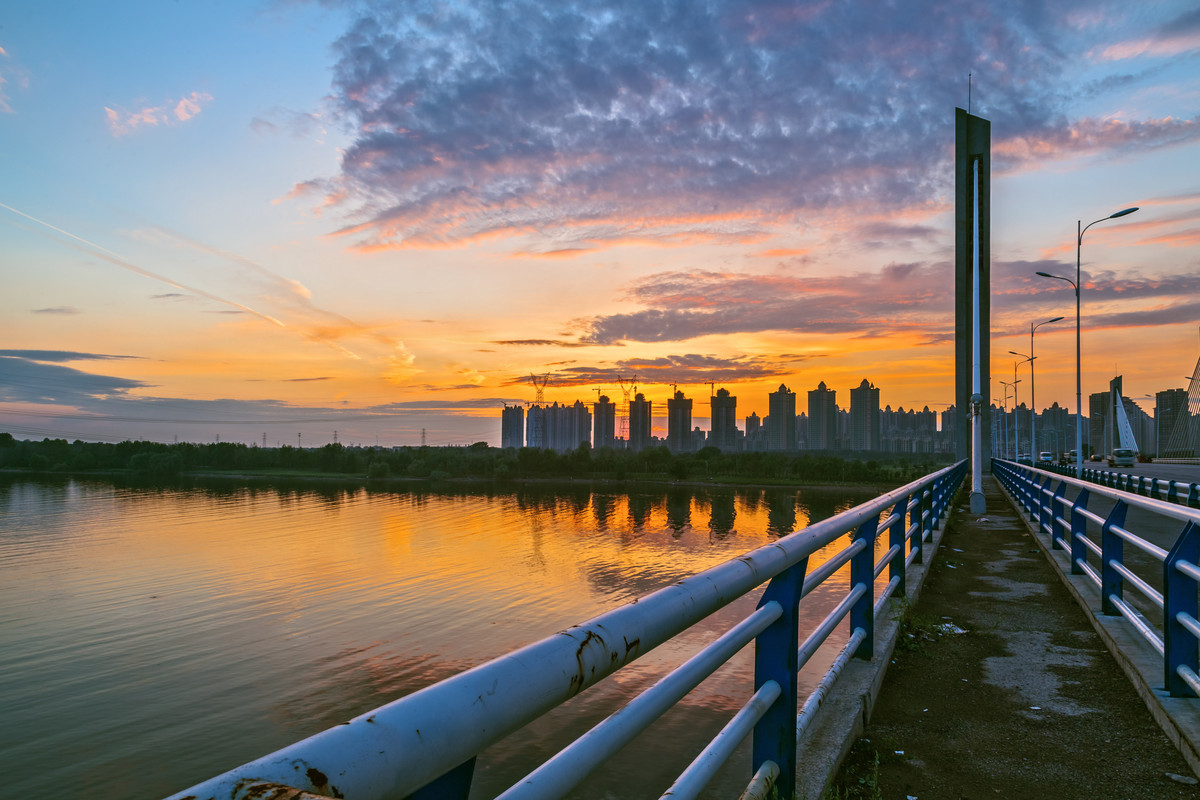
(152, 638)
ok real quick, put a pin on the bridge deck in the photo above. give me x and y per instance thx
(1028, 702)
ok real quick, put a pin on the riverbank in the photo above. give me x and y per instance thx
(409, 483)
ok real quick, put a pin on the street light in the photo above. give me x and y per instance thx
(1032, 386)
(1078, 363)
(1013, 384)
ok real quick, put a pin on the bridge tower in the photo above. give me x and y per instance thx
(972, 277)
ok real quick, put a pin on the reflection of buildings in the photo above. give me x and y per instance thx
(781, 513)
(724, 421)
(639, 423)
(781, 419)
(512, 426)
(679, 510)
(822, 418)
(679, 424)
(864, 417)
(720, 521)
(604, 432)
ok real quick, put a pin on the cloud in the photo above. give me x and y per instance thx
(685, 305)
(539, 343)
(123, 122)
(57, 310)
(1180, 35)
(29, 380)
(10, 71)
(678, 369)
(571, 127)
(1090, 137)
(59, 356)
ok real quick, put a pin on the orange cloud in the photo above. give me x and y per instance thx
(782, 253)
(1092, 136)
(122, 122)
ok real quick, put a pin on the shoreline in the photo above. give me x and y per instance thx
(362, 481)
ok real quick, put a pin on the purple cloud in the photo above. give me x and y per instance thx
(582, 125)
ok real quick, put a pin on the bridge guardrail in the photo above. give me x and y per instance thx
(1087, 536)
(1182, 492)
(424, 745)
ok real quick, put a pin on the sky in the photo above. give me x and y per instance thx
(293, 222)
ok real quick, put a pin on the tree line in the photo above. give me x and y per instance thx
(478, 461)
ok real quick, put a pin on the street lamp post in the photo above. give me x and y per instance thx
(1078, 363)
(1006, 385)
(1033, 446)
(1016, 449)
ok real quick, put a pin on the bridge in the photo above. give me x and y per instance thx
(1143, 599)
(1130, 554)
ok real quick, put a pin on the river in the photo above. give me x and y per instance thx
(153, 637)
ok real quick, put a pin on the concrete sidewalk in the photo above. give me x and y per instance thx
(1027, 701)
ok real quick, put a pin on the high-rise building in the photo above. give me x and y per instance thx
(781, 430)
(724, 421)
(679, 423)
(536, 433)
(512, 426)
(822, 418)
(640, 418)
(604, 431)
(864, 417)
(1094, 427)
(1173, 422)
(754, 432)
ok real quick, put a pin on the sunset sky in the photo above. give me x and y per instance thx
(262, 219)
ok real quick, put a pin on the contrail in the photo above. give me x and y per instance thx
(121, 261)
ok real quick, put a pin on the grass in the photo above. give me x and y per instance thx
(858, 779)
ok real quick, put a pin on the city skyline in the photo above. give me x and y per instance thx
(288, 217)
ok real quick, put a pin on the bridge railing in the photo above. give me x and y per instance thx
(1097, 550)
(1182, 492)
(424, 745)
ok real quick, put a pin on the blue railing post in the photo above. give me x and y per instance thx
(927, 513)
(1078, 531)
(917, 542)
(1055, 510)
(1112, 549)
(896, 538)
(776, 659)
(1172, 491)
(862, 573)
(1194, 495)
(1040, 515)
(1180, 647)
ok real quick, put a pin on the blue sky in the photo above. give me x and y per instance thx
(384, 217)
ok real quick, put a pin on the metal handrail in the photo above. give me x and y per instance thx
(1182, 492)
(1068, 522)
(428, 741)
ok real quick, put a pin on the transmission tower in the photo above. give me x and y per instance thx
(538, 418)
(628, 387)
(539, 385)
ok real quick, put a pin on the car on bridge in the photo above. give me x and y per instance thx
(1045, 457)
(1121, 457)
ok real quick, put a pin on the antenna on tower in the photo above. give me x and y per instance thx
(968, 93)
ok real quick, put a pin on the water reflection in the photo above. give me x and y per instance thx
(679, 510)
(781, 513)
(722, 513)
(161, 635)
